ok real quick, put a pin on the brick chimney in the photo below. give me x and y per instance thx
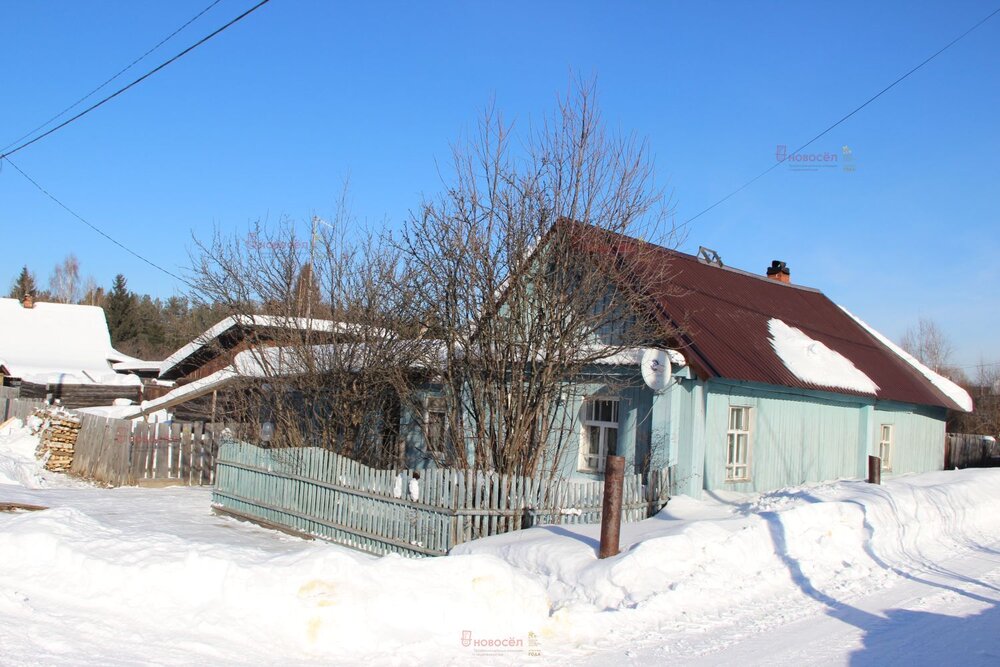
(779, 271)
(28, 301)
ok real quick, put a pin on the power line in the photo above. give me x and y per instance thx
(94, 227)
(137, 81)
(856, 110)
(979, 365)
(120, 72)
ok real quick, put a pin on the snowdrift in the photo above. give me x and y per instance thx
(129, 576)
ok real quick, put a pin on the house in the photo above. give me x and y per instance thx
(255, 348)
(190, 378)
(63, 351)
(772, 385)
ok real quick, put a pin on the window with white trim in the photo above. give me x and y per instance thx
(738, 444)
(885, 446)
(600, 433)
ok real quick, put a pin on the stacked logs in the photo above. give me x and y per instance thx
(59, 430)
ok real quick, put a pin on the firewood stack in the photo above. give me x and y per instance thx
(59, 430)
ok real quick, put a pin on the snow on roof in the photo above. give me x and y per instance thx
(136, 365)
(183, 393)
(632, 356)
(813, 362)
(58, 343)
(266, 321)
(958, 395)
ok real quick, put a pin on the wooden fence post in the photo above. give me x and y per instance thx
(611, 512)
(874, 470)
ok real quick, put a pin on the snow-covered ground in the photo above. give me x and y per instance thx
(844, 572)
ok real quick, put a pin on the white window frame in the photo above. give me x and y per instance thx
(885, 445)
(585, 463)
(738, 470)
(437, 405)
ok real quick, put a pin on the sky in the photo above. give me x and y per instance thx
(270, 118)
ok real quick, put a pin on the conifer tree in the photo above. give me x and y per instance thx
(23, 284)
(121, 311)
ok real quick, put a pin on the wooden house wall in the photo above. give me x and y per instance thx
(802, 437)
(795, 437)
(918, 437)
(80, 395)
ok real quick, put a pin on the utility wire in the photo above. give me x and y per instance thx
(94, 227)
(856, 110)
(979, 365)
(139, 80)
(120, 72)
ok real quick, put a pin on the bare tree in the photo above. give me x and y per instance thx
(929, 344)
(530, 276)
(64, 283)
(329, 349)
(93, 294)
(985, 392)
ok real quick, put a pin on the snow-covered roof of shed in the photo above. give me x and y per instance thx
(259, 321)
(58, 342)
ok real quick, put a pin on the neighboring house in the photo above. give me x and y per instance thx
(216, 348)
(63, 351)
(239, 347)
(773, 385)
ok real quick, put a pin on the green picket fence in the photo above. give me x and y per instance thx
(318, 493)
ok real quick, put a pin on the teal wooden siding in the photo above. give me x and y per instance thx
(794, 438)
(918, 437)
(800, 437)
(797, 436)
(634, 418)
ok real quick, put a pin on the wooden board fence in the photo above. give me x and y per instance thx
(18, 407)
(120, 453)
(967, 450)
(317, 493)
(9, 392)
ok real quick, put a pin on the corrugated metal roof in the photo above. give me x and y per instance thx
(723, 315)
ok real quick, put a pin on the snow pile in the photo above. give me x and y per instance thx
(813, 362)
(181, 597)
(944, 385)
(152, 575)
(18, 463)
(787, 553)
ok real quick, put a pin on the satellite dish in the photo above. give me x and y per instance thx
(655, 368)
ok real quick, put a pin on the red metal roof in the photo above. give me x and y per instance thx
(723, 315)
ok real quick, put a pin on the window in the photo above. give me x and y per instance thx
(434, 425)
(600, 433)
(738, 445)
(885, 446)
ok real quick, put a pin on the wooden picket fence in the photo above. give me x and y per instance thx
(317, 493)
(127, 453)
(124, 453)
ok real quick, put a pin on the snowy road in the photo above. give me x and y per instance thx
(947, 614)
(839, 573)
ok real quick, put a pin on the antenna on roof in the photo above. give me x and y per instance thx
(709, 255)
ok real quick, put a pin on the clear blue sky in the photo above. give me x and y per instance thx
(269, 118)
